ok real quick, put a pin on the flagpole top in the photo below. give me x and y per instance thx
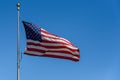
(18, 4)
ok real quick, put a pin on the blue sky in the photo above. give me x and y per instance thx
(91, 25)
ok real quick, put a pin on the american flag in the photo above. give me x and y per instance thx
(42, 43)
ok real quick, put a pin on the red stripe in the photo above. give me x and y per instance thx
(52, 47)
(61, 57)
(63, 52)
(31, 54)
(44, 31)
(43, 51)
(54, 56)
(56, 38)
(49, 36)
(46, 41)
(35, 50)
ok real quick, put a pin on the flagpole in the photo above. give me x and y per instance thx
(18, 41)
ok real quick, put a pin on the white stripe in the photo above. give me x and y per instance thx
(54, 40)
(66, 40)
(75, 57)
(49, 35)
(36, 47)
(62, 55)
(34, 52)
(49, 53)
(43, 29)
(53, 36)
(52, 44)
(45, 49)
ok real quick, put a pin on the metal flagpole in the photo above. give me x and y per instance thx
(18, 41)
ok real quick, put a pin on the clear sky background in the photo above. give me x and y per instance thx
(91, 25)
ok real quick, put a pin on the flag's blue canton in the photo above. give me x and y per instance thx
(32, 31)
